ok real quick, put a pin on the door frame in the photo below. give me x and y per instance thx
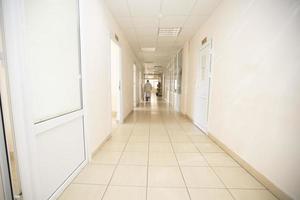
(19, 88)
(135, 84)
(120, 87)
(209, 43)
(5, 176)
(140, 88)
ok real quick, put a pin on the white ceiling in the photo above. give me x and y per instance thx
(140, 20)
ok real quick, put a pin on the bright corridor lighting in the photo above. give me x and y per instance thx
(172, 32)
(148, 49)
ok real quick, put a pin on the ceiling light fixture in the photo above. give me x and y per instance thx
(148, 49)
(169, 32)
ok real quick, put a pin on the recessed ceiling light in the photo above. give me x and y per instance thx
(148, 49)
(169, 32)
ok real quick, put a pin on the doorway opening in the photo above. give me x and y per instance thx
(9, 172)
(116, 83)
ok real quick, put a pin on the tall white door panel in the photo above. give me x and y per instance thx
(46, 34)
(203, 88)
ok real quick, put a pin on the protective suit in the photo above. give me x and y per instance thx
(148, 90)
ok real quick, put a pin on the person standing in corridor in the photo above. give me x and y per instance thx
(148, 90)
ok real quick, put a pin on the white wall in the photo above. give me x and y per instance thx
(128, 59)
(97, 27)
(255, 99)
(95, 40)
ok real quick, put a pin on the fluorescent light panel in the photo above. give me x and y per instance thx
(169, 32)
(148, 49)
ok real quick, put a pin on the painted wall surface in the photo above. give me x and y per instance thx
(255, 98)
(97, 27)
(128, 59)
(95, 48)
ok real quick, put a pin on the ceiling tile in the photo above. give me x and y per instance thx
(166, 39)
(165, 49)
(146, 31)
(180, 42)
(129, 33)
(205, 7)
(142, 8)
(165, 42)
(144, 43)
(172, 21)
(188, 31)
(147, 44)
(148, 39)
(125, 22)
(135, 46)
(177, 7)
(196, 21)
(119, 8)
(145, 21)
(161, 54)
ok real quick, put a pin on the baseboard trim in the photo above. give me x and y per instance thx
(99, 146)
(188, 117)
(126, 118)
(260, 177)
(196, 124)
(68, 181)
(107, 138)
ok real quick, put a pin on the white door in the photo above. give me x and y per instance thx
(140, 88)
(43, 61)
(135, 97)
(116, 80)
(203, 88)
(5, 180)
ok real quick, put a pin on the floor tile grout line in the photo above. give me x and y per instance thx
(105, 185)
(193, 187)
(134, 121)
(115, 168)
(212, 167)
(209, 165)
(186, 187)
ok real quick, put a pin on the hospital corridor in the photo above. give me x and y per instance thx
(149, 99)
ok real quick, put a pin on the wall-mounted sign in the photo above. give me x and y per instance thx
(116, 37)
(204, 41)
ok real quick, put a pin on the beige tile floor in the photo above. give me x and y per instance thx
(159, 155)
